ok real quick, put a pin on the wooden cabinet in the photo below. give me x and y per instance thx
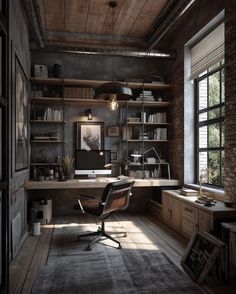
(188, 220)
(171, 212)
(176, 209)
(203, 221)
(186, 216)
(166, 209)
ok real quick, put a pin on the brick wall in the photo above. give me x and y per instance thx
(230, 100)
(176, 145)
(176, 77)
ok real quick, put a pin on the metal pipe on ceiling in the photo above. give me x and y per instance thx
(165, 54)
(169, 21)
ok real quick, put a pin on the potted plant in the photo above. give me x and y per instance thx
(68, 166)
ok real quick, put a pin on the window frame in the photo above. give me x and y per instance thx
(208, 122)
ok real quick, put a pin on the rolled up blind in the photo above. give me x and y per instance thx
(208, 51)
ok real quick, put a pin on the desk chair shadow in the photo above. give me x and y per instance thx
(115, 198)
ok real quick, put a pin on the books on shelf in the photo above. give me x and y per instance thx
(75, 92)
(53, 114)
(160, 134)
(159, 117)
(188, 192)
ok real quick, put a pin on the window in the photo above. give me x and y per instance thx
(210, 124)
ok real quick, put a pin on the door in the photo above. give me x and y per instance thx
(166, 209)
(176, 208)
(4, 229)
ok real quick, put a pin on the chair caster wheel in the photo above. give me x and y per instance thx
(88, 249)
(119, 247)
(125, 235)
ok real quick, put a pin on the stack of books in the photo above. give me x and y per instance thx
(188, 192)
(146, 95)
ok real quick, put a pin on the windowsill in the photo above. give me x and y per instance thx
(215, 193)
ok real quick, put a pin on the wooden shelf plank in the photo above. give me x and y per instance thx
(97, 83)
(129, 103)
(48, 121)
(146, 124)
(147, 141)
(44, 163)
(47, 141)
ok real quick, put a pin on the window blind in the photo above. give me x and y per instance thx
(208, 51)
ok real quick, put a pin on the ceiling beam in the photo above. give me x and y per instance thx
(32, 12)
(95, 38)
(168, 18)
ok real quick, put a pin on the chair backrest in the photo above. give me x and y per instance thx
(115, 197)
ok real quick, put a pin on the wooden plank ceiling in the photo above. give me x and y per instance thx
(90, 22)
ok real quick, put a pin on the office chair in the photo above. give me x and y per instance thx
(115, 198)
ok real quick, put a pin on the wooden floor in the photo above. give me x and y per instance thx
(143, 232)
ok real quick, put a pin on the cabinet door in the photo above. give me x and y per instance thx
(204, 221)
(188, 220)
(166, 209)
(176, 208)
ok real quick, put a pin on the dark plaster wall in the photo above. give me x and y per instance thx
(100, 67)
(19, 46)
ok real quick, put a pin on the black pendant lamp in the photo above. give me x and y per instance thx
(113, 91)
(105, 91)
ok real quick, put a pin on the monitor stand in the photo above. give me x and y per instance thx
(92, 176)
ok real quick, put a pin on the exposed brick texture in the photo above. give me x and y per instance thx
(230, 100)
(176, 148)
(176, 77)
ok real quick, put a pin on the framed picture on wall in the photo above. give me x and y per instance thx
(90, 135)
(113, 131)
(21, 115)
(114, 156)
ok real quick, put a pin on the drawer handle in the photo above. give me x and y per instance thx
(187, 209)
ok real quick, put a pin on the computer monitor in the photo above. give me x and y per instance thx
(92, 162)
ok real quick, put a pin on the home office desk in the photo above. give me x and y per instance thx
(95, 183)
(63, 194)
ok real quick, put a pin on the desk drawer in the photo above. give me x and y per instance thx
(189, 211)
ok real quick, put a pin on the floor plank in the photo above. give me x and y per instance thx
(142, 233)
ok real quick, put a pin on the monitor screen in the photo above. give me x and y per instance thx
(92, 162)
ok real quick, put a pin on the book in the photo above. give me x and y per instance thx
(188, 192)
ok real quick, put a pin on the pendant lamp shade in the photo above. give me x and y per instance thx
(108, 90)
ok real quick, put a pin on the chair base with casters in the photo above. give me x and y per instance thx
(99, 234)
(115, 198)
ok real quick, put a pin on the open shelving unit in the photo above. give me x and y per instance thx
(59, 98)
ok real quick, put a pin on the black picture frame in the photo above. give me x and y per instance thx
(114, 156)
(89, 135)
(21, 117)
(200, 254)
(113, 131)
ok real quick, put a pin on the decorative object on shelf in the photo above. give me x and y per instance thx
(21, 114)
(127, 133)
(89, 114)
(113, 91)
(113, 131)
(68, 166)
(40, 71)
(202, 179)
(114, 156)
(89, 135)
(151, 155)
(136, 158)
(57, 71)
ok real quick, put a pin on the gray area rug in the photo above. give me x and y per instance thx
(106, 269)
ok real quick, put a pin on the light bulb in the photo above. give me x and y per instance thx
(113, 103)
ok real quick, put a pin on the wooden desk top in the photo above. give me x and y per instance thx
(94, 183)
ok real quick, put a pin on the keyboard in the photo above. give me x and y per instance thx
(87, 180)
